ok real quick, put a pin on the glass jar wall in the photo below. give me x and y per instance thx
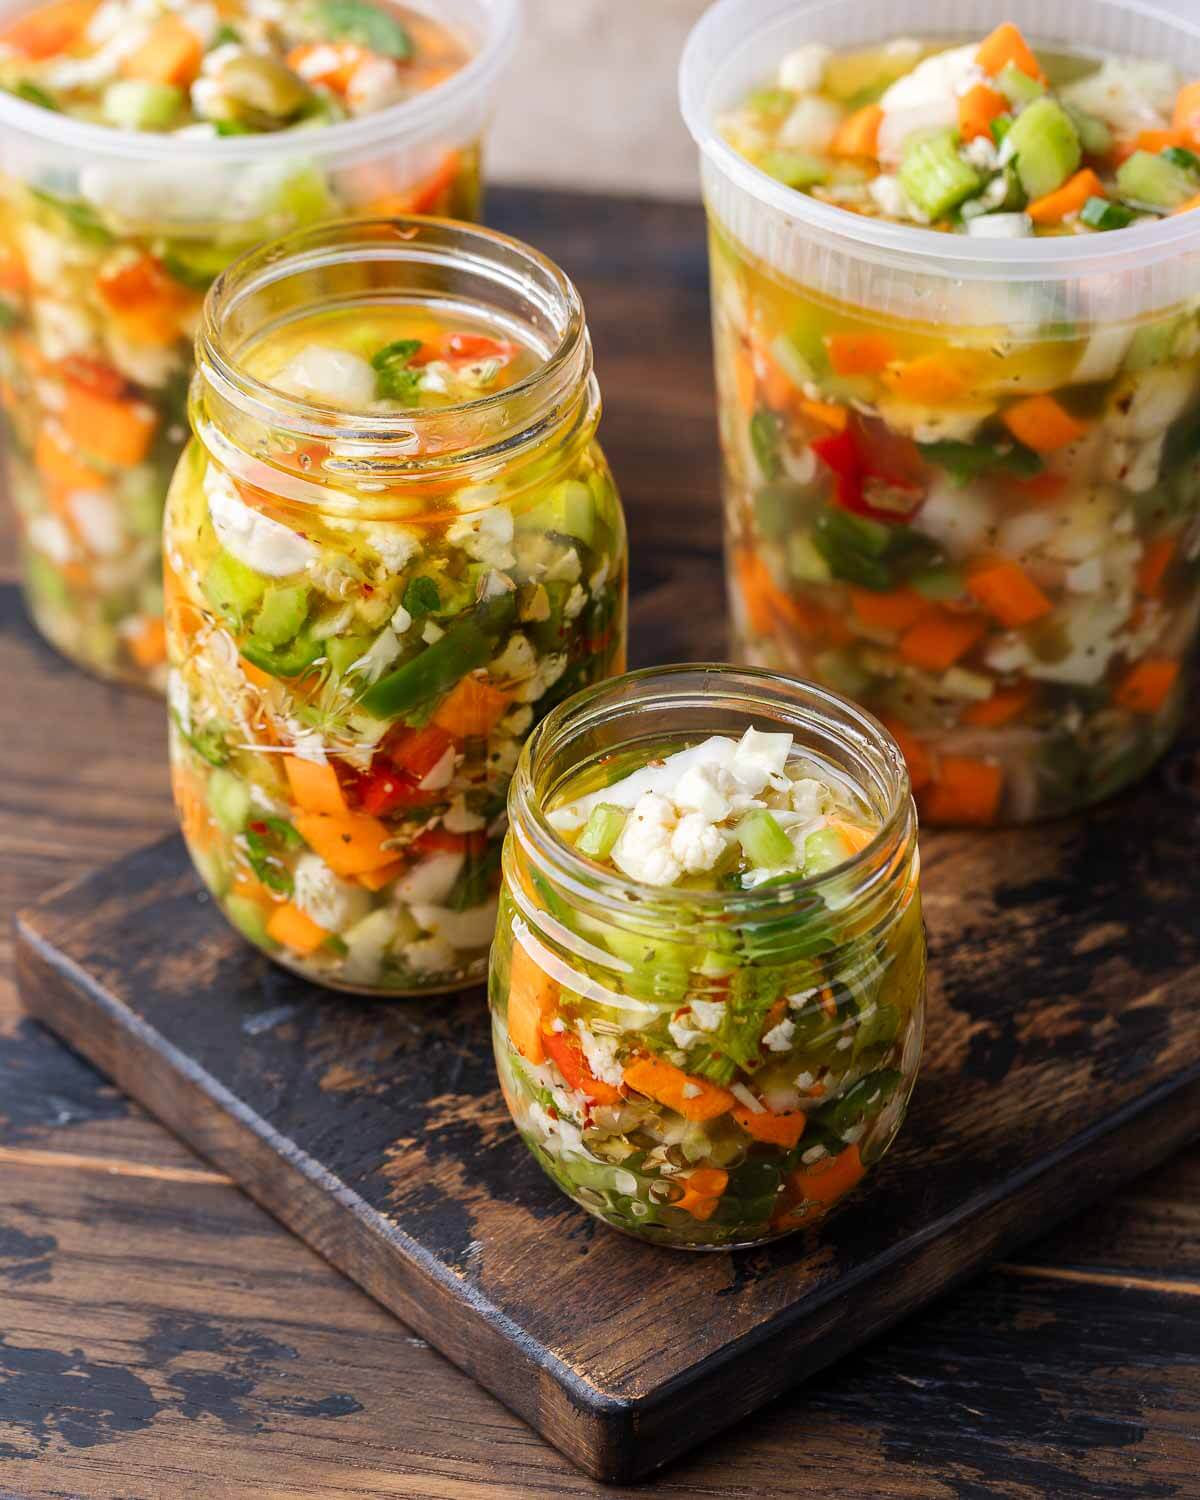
(372, 595)
(962, 482)
(111, 237)
(715, 1062)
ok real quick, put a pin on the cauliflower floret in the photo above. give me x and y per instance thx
(333, 376)
(1146, 403)
(958, 520)
(549, 670)
(459, 818)
(643, 848)
(708, 1014)
(517, 662)
(62, 330)
(696, 843)
(49, 536)
(576, 599)
(926, 99)
(601, 1054)
(263, 544)
(681, 1033)
(929, 424)
(803, 69)
(487, 537)
(97, 519)
(373, 84)
(701, 789)
(779, 1038)
(331, 902)
(811, 125)
(394, 545)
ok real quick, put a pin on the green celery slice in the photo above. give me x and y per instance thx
(601, 831)
(934, 176)
(764, 842)
(1147, 178)
(1046, 146)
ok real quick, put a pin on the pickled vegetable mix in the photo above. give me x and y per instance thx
(362, 632)
(987, 531)
(717, 1056)
(991, 138)
(104, 259)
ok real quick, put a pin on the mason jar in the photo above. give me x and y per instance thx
(707, 1068)
(961, 473)
(368, 607)
(110, 239)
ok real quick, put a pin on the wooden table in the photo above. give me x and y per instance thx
(162, 1337)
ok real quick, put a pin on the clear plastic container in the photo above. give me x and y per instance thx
(95, 402)
(366, 611)
(707, 1068)
(1023, 621)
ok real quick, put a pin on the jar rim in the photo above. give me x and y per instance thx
(589, 881)
(422, 116)
(402, 239)
(708, 57)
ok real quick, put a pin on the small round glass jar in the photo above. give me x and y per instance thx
(606, 965)
(109, 240)
(366, 613)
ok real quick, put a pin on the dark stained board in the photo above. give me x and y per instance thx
(163, 1337)
(1063, 1058)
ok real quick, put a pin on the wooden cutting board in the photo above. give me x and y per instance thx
(1063, 1057)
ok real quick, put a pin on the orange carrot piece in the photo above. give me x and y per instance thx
(148, 643)
(934, 379)
(1007, 45)
(809, 1194)
(966, 791)
(349, 843)
(977, 108)
(1041, 424)
(147, 305)
(532, 1000)
(858, 133)
(1006, 591)
(1187, 205)
(565, 1050)
(940, 638)
(471, 709)
(1186, 116)
(49, 29)
(702, 1191)
(896, 610)
(783, 1129)
(58, 466)
(170, 54)
(331, 64)
(375, 880)
(693, 1098)
(1153, 567)
(424, 196)
(1155, 141)
(114, 430)
(295, 929)
(1054, 207)
(743, 379)
(192, 807)
(315, 788)
(756, 588)
(1005, 705)
(859, 353)
(916, 757)
(1145, 687)
(825, 412)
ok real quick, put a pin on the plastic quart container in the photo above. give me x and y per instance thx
(110, 238)
(1022, 618)
(368, 605)
(713, 1050)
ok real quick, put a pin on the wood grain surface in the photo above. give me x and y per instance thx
(163, 1337)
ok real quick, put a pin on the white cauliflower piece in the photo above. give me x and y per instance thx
(759, 757)
(374, 84)
(779, 1038)
(394, 545)
(368, 941)
(517, 662)
(61, 329)
(926, 99)
(930, 424)
(708, 1014)
(803, 69)
(958, 520)
(549, 670)
(576, 599)
(701, 789)
(486, 537)
(49, 536)
(333, 376)
(97, 519)
(459, 818)
(1146, 403)
(331, 902)
(811, 125)
(696, 844)
(601, 1055)
(643, 847)
(263, 544)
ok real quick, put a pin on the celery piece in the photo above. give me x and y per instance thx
(343, 651)
(232, 588)
(1094, 134)
(939, 583)
(281, 614)
(764, 440)
(1099, 213)
(601, 831)
(825, 850)
(1154, 180)
(374, 27)
(568, 508)
(796, 169)
(934, 176)
(132, 104)
(33, 93)
(250, 920)
(764, 842)
(776, 507)
(1046, 146)
(804, 562)
(229, 799)
(1017, 86)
